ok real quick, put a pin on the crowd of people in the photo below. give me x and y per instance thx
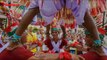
(53, 41)
(53, 38)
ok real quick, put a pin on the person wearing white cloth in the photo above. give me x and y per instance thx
(48, 9)
(55, 43)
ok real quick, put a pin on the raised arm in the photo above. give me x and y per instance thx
(26, 20)
(92, 28)
(63, 30)
(47, 31)
(89, 24)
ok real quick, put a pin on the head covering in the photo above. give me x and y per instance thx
(54, 29)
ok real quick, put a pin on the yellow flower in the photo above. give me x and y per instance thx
(31, 37)
(34, 50)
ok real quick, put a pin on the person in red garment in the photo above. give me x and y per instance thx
(55, 43)
(48, 9)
